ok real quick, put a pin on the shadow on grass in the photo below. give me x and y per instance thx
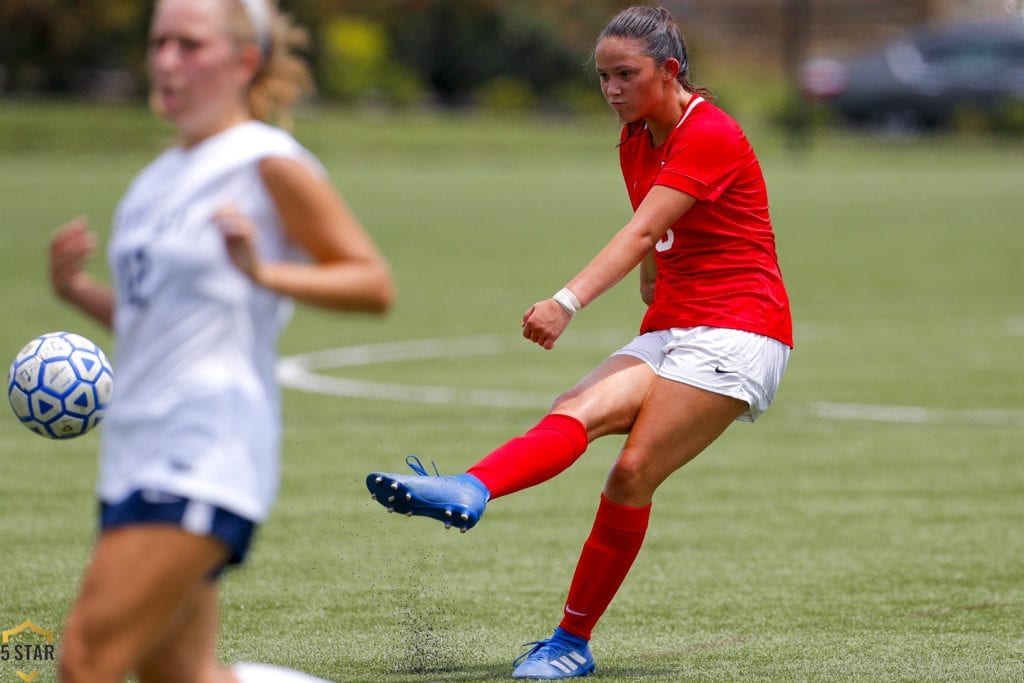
(503, 672)
(450, 674)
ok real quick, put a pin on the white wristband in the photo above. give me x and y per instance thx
(569, 301)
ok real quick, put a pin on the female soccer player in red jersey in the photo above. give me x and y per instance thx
(713, 344)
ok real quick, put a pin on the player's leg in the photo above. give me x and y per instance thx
(187, 652)
(605, 401)
(676, 423)
(708, 378)
(134, 588)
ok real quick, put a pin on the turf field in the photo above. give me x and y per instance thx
(869, 528)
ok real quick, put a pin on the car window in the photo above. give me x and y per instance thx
(969, 61)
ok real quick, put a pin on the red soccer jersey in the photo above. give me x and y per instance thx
(717, 265)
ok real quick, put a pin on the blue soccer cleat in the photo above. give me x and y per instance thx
(457, 501)
(561, 656)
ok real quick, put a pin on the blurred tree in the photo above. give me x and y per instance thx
(453, 44)
(78, 46)
(355, 63)
(460, 51)
(501, 52)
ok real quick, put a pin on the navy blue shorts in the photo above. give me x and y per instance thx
(195, 517)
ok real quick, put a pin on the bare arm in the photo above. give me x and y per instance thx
(72, 245)
(648, 275)
(545, 321)
(348, 272)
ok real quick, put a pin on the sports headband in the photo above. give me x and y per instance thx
(259, 15)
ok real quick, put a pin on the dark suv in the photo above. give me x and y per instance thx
(927, 78)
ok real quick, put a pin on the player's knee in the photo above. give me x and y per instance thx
(84, 659)
(625, 477)
(627, 480)
(600, 418)
(74, 664)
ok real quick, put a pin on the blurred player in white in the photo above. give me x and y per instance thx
(210, 244)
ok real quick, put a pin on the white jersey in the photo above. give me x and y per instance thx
(196, 409)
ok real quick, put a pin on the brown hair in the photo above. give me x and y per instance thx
(655, 28)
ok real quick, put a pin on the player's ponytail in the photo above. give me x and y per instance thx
(284, 77)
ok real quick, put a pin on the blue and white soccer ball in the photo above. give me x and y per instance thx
(60, 384)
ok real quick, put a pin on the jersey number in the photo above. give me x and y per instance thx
(132, 268)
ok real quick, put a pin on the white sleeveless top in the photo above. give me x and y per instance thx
(196, 409)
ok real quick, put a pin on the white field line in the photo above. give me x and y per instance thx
(301, 372)
(917, 414)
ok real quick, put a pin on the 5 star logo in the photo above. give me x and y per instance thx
(27, 645)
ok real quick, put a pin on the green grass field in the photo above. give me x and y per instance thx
(869, 528)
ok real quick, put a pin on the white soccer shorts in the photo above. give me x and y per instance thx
(743, 365)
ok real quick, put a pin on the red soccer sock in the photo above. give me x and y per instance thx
(544, 451)
(607, 556)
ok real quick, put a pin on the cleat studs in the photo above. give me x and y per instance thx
(463, 530)
(391, 499)
(447, 513)
(465, 517)
(394, 486)
(447, 525)
(379, 480)
(408, 496)
(408, 514)
(373, 496)
(391, 509)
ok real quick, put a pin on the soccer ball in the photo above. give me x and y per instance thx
(59, 385)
